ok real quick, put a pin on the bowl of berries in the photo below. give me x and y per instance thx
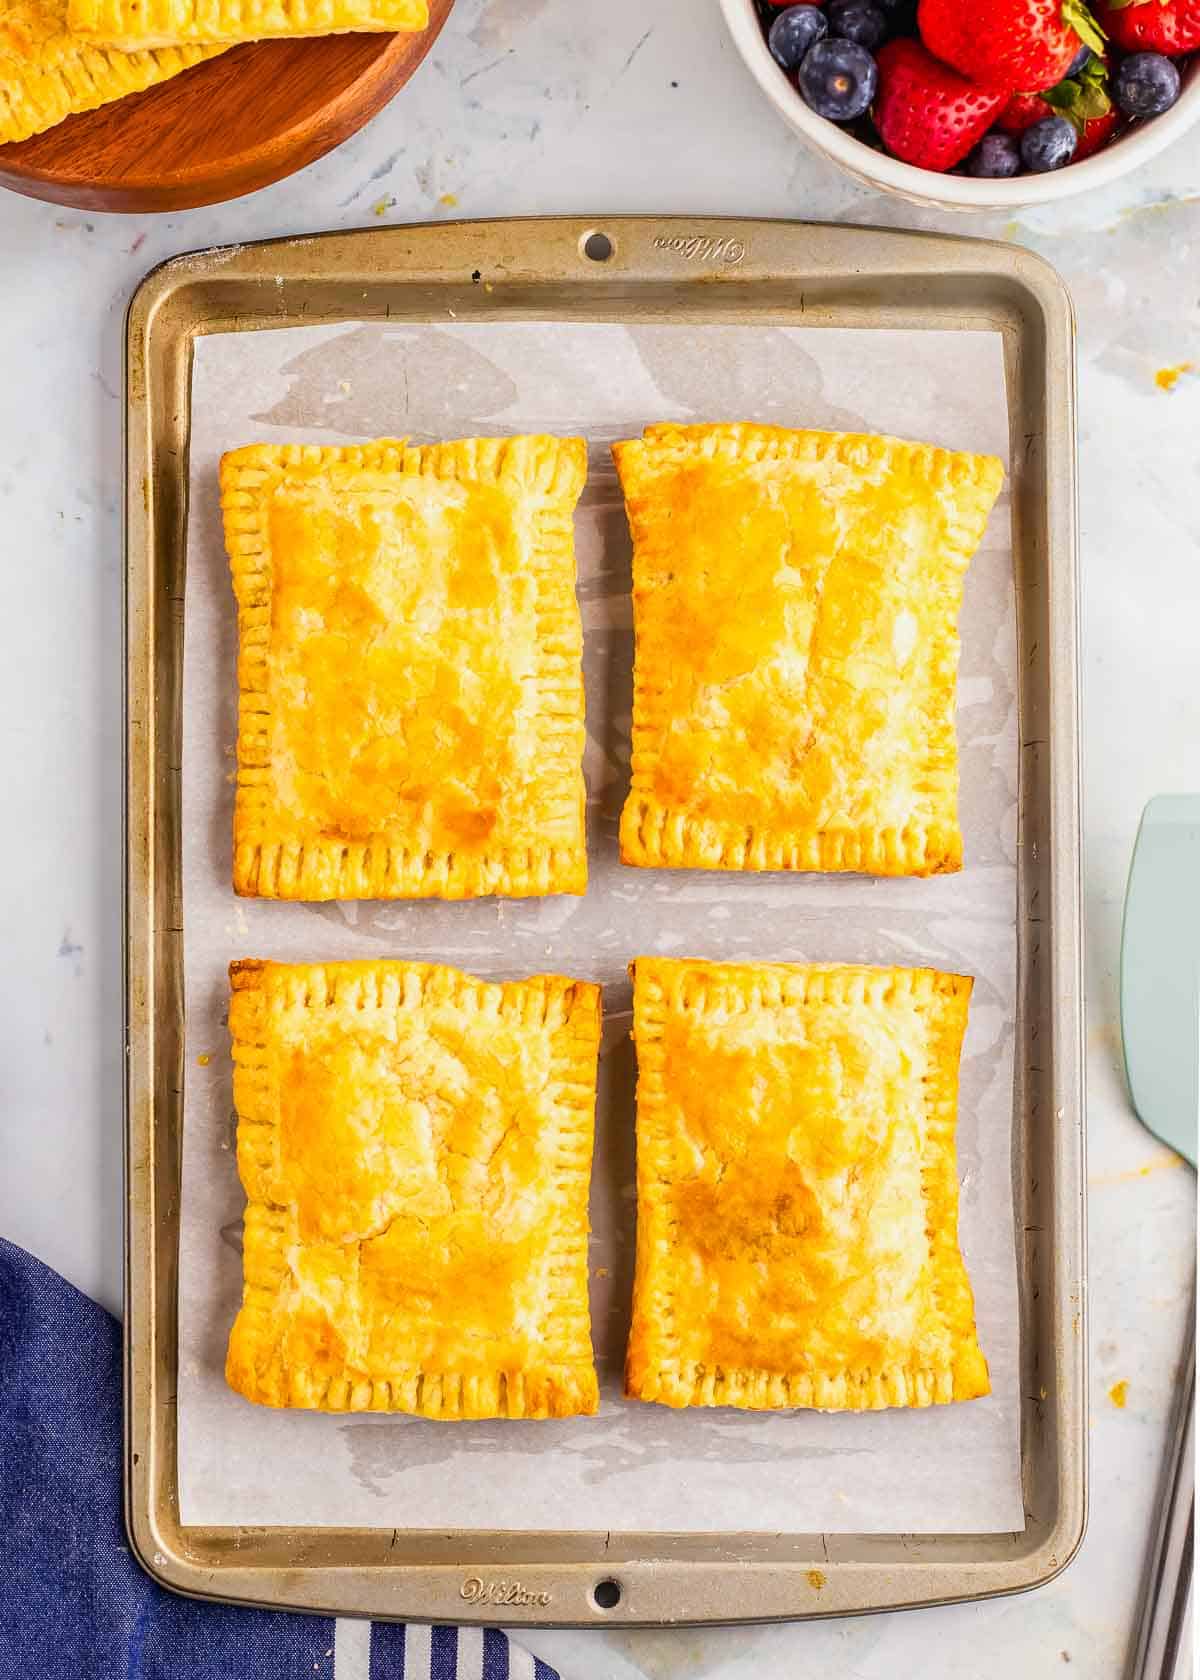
(978, 104)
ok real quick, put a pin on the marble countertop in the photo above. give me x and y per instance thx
(541, 106)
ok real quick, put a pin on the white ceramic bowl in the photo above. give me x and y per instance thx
(953, 192)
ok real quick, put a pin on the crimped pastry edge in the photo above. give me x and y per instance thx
(254, 1367)
(654, 834)
(553, 470)
(697, 986)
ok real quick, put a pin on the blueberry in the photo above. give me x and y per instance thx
(1048, 144)
(1146, 84)
(793, 32)
(901, 16)
(1079, 63)
(838, 79)
(996, 156)
(858, 20)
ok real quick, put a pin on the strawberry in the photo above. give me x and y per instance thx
(1009, 44)
(1022, 111)
(1084, 99)
(1097, 132)
(926, 114)
(1165, 26)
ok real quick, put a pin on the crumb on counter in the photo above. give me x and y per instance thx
(203, 1059)
(450, 200)
(1168, 377)
(816, 1579)
(1119, 1393)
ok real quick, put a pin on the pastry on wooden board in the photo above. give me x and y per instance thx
(137, 24)
(48, 73)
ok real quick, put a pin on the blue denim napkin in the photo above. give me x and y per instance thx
(74, 1604)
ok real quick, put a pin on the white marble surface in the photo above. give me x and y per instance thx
(530, 106)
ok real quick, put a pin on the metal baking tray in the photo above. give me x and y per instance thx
(627, 269)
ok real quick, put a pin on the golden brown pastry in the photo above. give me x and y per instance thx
(795, 602)
(411, 718)
(797, 1237)
(47, 73)
(415, 1147)
(150, 23)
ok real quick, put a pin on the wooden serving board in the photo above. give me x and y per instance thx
(221, 129)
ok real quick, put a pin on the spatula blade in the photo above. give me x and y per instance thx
(1160, 972)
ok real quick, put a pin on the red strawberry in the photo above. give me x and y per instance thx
(1022, 111)
(1165, 26)
(1097, 132)
(925, 114)
(1011, 44)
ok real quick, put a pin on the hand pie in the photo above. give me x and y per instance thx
(411, 719)
(152, 23)
(795, 598)
(47, 73)
(797, 1237)
(415, 1147)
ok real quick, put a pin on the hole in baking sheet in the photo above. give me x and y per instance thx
(598, 246)
(606, 1595)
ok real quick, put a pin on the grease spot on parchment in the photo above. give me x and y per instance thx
(405, 383)
(741, 372)
(383, 1449)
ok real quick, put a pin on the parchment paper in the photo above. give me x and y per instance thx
(634, 1466)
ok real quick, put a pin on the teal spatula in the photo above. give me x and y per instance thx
(1160, 972)
(1160, 1028)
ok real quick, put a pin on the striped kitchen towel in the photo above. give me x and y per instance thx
(445, 1653)
(74, 1605)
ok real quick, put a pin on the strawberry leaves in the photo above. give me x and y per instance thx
(1082, 98)
(1077, 16)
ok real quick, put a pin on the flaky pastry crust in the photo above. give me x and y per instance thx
(797, 1239)
(796, 596)
(411, 722)
(48, 73)
(415, 1147)
(133, 24)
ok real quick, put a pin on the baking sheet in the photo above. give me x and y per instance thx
(633, 1467)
